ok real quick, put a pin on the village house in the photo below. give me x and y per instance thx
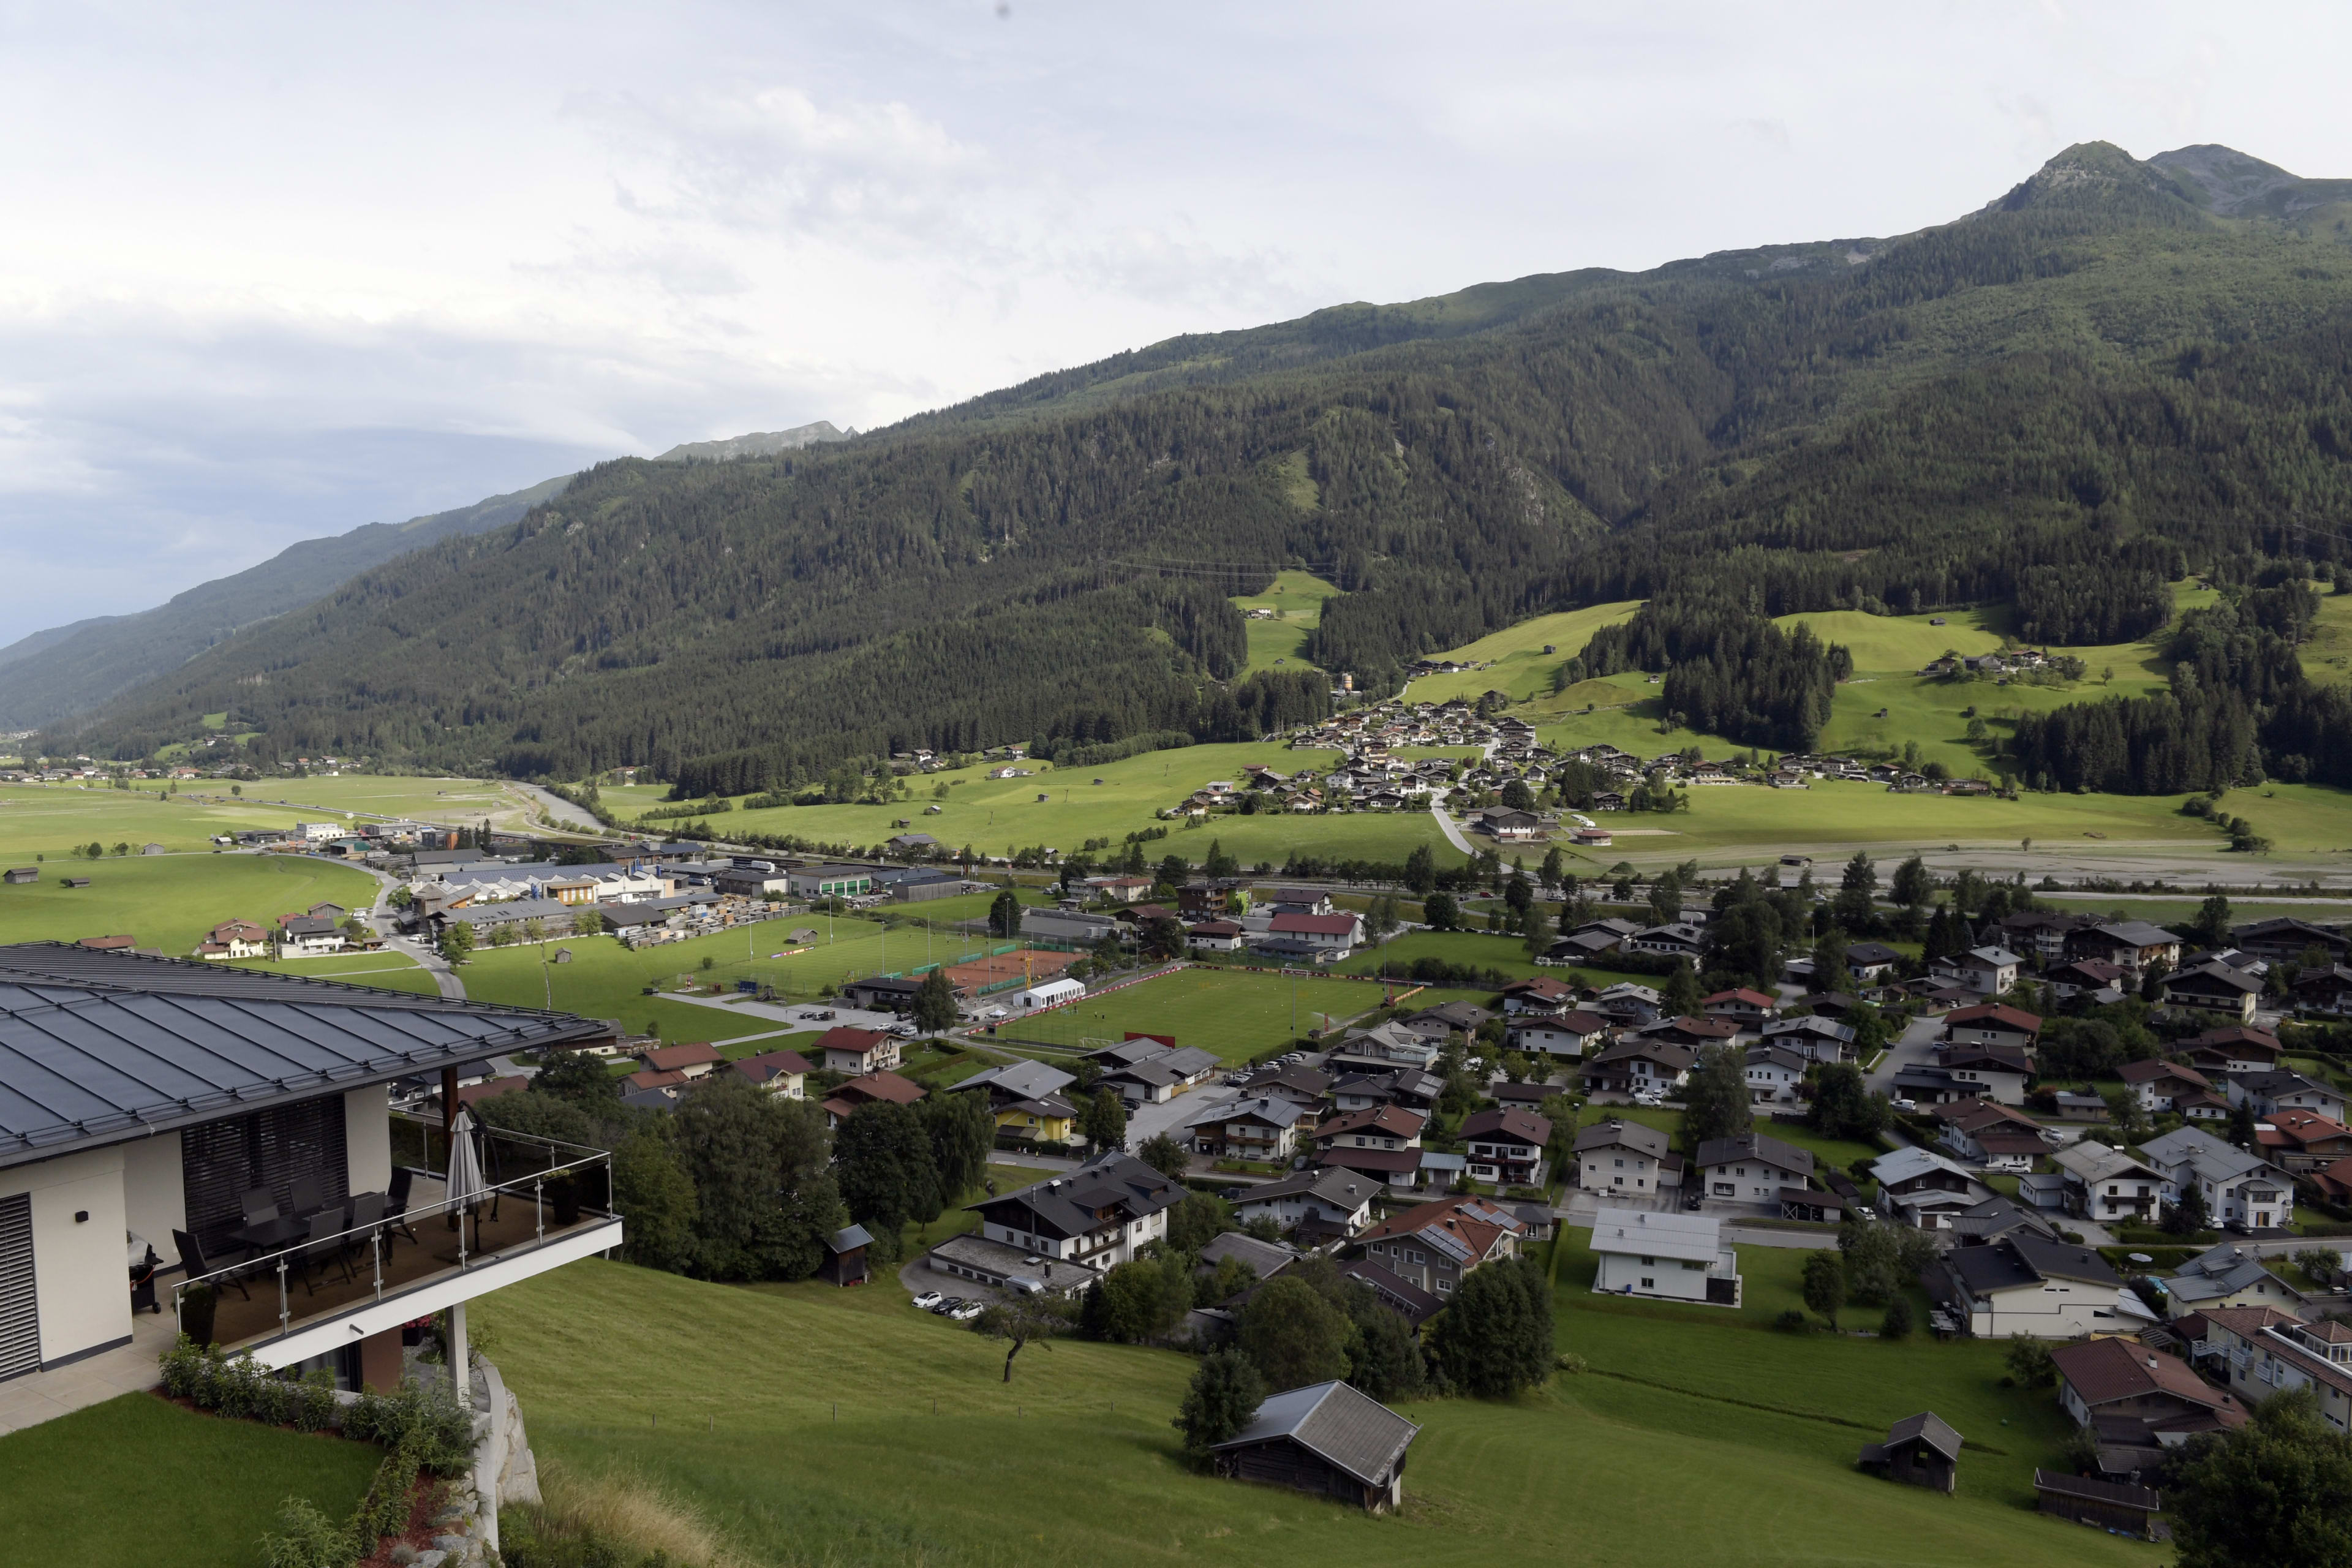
(2262, 1350)
(1993, 1024)
(1433, 1245)
(1919, 1188)
(1265, 1128)
(1991, 1135)
(1505, 1146)
(235, 938)
(1753, 1167)
(1554, 1034)
(2160, 1085)
(2025, 1284)
(1986, 971)
(1027, 1100)
(1920, 1450)
(2130, 945)
(2289, 941)
(1773, 1073)
(844, 1098)
(1626, 1157)
(1816, 1038)
(2300, 1141)
(1991, 1071)
(857, 1051)
(1869, 961)
(2240, 1189)
(2229, 1276)
(780, 1073)
(1749, 1009)
(1098, 1215)
(2108, 1186)
(1336, 1201)
(2139, 1401)
(2214, 989)
(1666, 1256)
(690, 1062)
(2228, 1049)
(2279, 1090)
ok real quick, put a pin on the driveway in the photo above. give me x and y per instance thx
(1453, 835)
(1916, 1048)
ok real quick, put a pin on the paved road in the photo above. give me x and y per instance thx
(1453, 835)
(565, 814)
(1916, 1048)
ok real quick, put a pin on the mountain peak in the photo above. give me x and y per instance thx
(2092, 174)
(758, 444)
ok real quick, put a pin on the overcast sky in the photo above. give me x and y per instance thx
(277, 271)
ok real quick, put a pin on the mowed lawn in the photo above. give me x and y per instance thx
(139, 1482)
(170, 901)
(1236, 1014)
(867, 1432)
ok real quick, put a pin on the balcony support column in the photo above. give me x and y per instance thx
(459, 1377)
(379, 1362)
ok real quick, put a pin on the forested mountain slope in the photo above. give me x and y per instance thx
(2108, 375)
(55, 674)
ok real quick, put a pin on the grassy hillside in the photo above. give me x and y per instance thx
(1297, 599)
(1519, 665)
(863, 1432)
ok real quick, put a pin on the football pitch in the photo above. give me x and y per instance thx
(1234, 1015)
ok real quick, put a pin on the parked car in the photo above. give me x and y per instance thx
(966, 1312)
(1906, 1104)
(946, 1304)
(904, 1031)
(927, 1300)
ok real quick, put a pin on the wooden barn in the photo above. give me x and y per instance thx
(845, 1256)
(1920, 1450)
(1327, 1439)
(2106, 1505)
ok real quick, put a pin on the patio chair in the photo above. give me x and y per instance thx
(395, 1202)
(257, 1205)
(308, 1196)
(325, 1247)
(193, 1260)
(366, 1220)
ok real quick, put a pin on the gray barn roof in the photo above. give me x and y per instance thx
(99, 1047)
(1351, 1431)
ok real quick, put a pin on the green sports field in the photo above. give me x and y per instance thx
(392, 970)
(170, 901)
(1236, 1014)
(870, 1433)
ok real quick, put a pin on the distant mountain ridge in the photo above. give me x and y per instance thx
(758, 444)
(2117, 371)
(61, 671)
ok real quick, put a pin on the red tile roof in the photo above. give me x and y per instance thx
(1997, 1012)
(676, 1058)
(1315, 925)
(842, 1038)
(2103, 1370)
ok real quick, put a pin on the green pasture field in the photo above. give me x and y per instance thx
(1507, 953)
(874, 1433)
(945, 913)
(998, 817)
(52, 819)
(1518, 665)
(1832, 1392)
(1297, 598)
(139, 1482)
(171, 901)
(1235, 1014)
(392, 970)
(457, 802)
(605, 980)
(1732, 817)
(2327, 653)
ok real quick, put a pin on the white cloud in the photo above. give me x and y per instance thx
(278, 270)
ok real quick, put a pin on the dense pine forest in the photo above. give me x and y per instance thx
(2066, 400)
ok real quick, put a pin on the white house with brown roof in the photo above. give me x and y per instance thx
(1626, 1158)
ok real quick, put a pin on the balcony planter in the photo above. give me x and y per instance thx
(564, 1194)
(197, 1305)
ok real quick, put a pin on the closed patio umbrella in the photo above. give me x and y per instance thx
(466, 1185)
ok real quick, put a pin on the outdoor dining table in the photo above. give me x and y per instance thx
(271, 1235)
